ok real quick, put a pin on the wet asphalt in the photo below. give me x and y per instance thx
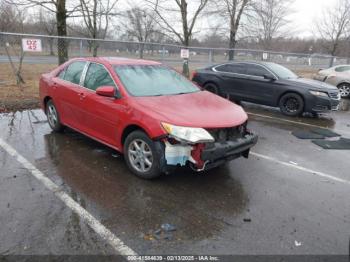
(248, 206)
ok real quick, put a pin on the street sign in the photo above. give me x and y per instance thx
(31, 45)
(185, 53)
(265, 56)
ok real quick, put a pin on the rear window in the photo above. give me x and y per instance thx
(153, 80)
(342, 68)
(232, 68)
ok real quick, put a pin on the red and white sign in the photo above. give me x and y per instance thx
(185, 53)
(31, 45)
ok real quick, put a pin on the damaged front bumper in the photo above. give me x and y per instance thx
(215, 154)
(208, 155)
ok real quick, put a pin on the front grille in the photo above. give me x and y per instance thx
(227, 134)
(334, 95)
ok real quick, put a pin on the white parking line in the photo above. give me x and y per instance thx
(304, 169)
(96, 225)
(296, 122)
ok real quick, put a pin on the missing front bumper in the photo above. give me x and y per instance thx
(209, 155)
(216, 154)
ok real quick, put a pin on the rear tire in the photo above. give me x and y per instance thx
(291, 104)
(213, 88)
(143, 156)
(53, 117)
(344, 90)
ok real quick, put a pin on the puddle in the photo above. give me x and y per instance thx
(344, 105)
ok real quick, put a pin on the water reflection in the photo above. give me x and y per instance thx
(199, 205)
(344, 105)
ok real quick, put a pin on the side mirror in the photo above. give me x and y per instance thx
(107, 91)
(270, 77)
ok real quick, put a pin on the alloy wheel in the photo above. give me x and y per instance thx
(52, 115)
(140, 155)
(344, 90)
(291, 105)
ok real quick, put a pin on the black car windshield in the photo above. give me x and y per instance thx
(153, 80)
(281, 71)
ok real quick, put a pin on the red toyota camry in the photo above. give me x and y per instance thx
(154, 116)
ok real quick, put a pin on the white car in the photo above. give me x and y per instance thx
(338, 76)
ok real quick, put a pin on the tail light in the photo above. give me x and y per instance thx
(194, 74)
(330, 77)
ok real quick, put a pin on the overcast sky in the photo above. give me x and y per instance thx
(302, 20)
(306, 11)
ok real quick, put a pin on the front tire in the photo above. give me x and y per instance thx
(291, 104)
(53, 117)
(142, 155)
(344, 90)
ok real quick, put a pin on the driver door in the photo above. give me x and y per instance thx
(101, 114)
(260, 89)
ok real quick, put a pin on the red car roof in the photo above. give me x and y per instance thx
(122, 61)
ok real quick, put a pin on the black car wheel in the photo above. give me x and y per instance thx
(344, 90)
(291, 104)
(211, 88)
(53, 117)
(141, 155)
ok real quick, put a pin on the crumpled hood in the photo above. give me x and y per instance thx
(314, 84)
(200, 109)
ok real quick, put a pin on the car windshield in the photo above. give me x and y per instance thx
(153, 80)
(281, 71)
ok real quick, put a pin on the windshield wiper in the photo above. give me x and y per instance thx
(184, 93)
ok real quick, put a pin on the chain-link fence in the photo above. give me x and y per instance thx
(54, 47)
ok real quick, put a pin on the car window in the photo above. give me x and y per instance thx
(74, 71)
(342, 68)
(97, 76)
(61, 74)
(281, 71)
(256, 70)
(232, 68)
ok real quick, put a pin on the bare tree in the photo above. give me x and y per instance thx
(96, 15)
(170, 12)
(269, 19)
(61, 11)
(231, 11)
(46, 23)
(140, 25)
(12, 19)
(334, 25)
(216, 37)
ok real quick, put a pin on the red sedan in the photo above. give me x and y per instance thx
(147, 111)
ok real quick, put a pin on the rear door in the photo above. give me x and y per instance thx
(69, 94)
(258, 88)
(101, 113)
(234, 79)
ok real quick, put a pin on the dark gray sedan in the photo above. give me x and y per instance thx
(268, 84)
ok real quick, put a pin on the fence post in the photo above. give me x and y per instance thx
(163, 53)
(210, 57)
(81, 48)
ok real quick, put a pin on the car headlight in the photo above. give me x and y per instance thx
(188, 134)
(319, 93)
